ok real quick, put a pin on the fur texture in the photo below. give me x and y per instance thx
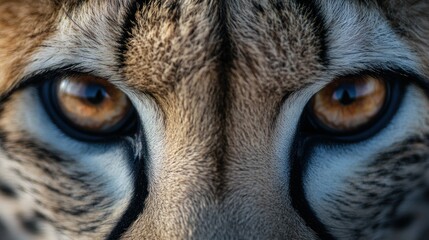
(219, 88)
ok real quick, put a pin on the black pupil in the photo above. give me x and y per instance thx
(95, 94)
(345, 93)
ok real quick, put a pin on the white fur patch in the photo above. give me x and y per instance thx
(154, 134)
(110, 161)
(86, 40)
(359, 38)
(330, 165)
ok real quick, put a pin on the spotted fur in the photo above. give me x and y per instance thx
(219, 87)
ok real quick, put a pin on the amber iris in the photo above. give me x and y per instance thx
(348, 104)
(92, 104)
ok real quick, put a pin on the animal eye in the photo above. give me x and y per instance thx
(352, 105)
(88, 108)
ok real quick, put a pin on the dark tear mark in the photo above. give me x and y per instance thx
(136, 204)
(297, 193)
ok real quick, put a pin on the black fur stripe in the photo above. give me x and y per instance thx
(136, 204)
(299, 201)
(127, 28)
(297, 193)
(311, 8)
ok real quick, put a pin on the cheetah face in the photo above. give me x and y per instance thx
(214, 119)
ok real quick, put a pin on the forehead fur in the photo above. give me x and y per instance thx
(37, 36)
(174, 38)
(24, 24)
(411, 19)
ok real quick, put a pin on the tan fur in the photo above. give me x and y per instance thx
(220, 128)
(221, 76)
(23, 27)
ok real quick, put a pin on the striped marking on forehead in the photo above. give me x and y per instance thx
(71, 34)
(175, 39)
(174, 42)
(93, 37)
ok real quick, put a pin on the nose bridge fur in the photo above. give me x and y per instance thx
(175, 55)
(219, 95)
